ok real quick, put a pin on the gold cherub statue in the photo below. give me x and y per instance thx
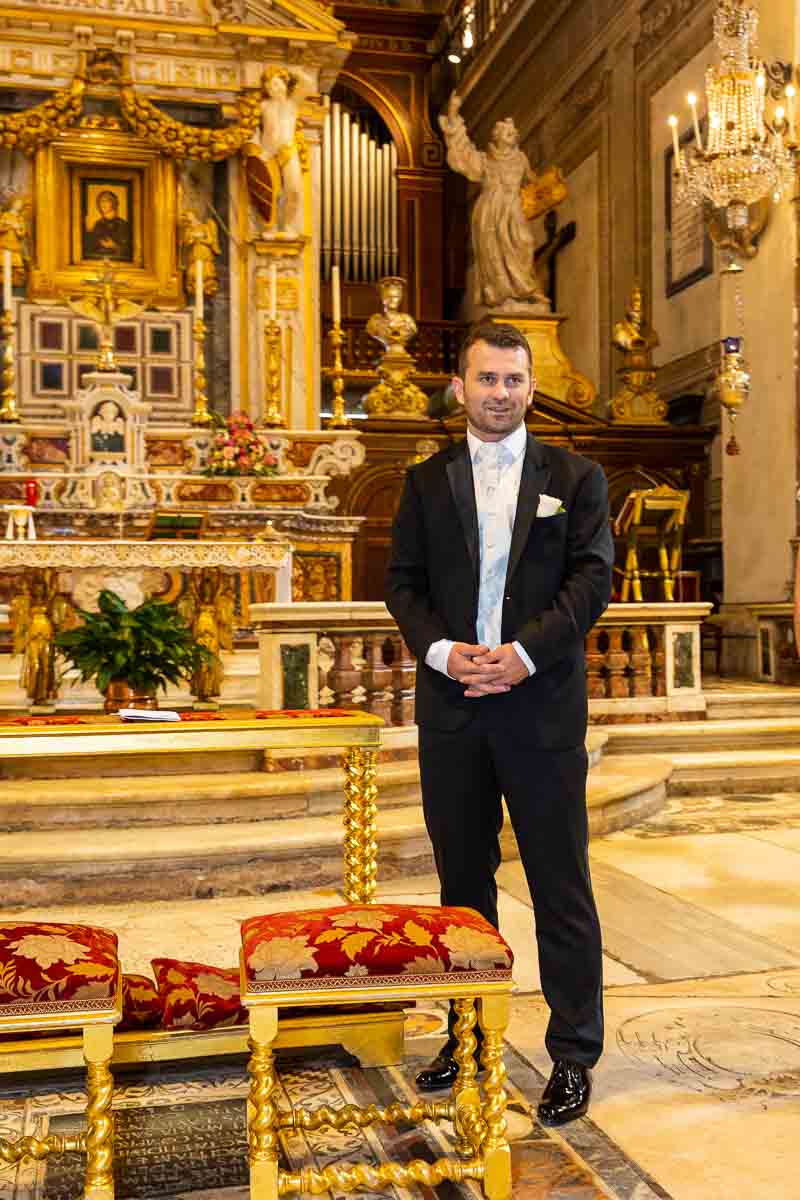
(37, 613)
(199, 243)
(208, 605)
(14, 232)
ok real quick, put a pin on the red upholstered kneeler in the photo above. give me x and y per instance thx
(382, 952)
(57, 977)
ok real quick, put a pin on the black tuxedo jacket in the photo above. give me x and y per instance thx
(557, 585)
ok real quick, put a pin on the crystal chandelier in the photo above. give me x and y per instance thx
(748, 155)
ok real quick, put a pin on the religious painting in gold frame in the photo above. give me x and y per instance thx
(113, 177)
(106, 215)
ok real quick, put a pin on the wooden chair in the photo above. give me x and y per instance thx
(373, 954)
(57, 977)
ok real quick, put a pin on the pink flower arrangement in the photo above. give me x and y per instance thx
(239, 450)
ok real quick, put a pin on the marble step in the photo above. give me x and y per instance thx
(735, 772)
(194, 798)
(181, 861)
(190, 799)
(704, 737)
(754, 701)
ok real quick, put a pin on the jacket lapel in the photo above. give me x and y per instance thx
(459, 474)
(534, 481)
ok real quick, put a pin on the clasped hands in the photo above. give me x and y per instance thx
(486, 672)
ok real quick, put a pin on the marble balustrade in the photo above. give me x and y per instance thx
(640, 658)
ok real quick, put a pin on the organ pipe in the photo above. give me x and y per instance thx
(359, 199)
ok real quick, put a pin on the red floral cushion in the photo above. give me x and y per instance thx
(141, 1004)
(47, 968)
(395, 942)
(196, 996)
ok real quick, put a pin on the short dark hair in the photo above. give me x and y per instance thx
(503, 337)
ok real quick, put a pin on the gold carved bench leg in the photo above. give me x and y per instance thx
(494, 1015)
(360, 812)
(98, 1042)
(469, 1125)
(261, 1111)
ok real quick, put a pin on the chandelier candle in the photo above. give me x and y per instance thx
(747, 157)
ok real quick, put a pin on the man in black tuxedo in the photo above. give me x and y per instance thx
(501, 563)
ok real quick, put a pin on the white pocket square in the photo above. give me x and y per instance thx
(549, 506)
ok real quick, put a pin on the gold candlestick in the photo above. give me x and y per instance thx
(273, 336)
(9, 413)
(201, 415)
(338, 419)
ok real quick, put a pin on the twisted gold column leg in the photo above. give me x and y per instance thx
(360, 812)
(469, 1125)
(261, 1112)
(98, 1044)
(494, 1014)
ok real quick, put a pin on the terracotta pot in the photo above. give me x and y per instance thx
(119, 694)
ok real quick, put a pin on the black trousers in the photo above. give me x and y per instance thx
(464, 774)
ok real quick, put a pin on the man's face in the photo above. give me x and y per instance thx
(505, 133)
(496, 390)
(107, 206)
(277, 87)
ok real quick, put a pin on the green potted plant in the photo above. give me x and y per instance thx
(132, 652)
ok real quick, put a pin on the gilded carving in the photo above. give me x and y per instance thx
(637, 399)
(14, 232)
(199, 241)
(396, 395)
(181, 141)
(316, 577)
(38, 125)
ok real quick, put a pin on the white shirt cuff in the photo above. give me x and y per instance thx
(525, 658)
(438, 654)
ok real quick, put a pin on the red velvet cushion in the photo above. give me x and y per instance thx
(47, 967)
(196, 996)
(387, 940)
(141, 1004)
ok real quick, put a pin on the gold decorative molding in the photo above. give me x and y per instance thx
(59, 167)
(555, 374)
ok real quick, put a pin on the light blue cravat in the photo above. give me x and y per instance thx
(495, 524)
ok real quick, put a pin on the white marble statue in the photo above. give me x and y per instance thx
(502, 236)
(283, 141)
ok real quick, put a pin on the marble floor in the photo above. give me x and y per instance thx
(698, 1094)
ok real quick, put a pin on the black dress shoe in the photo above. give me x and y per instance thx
(442, 1072)
(567, 1094)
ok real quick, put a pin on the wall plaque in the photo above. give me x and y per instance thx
(689, 249)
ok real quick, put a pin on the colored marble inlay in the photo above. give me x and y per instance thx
(294, 674)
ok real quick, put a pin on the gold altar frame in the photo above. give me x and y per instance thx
(83, 156)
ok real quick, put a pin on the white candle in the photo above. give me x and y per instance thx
(673, 121)
(273, 292)
(336, 296)
(6, 281)
(693, 105)
(198, 290)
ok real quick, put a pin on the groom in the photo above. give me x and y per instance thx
(501, 563)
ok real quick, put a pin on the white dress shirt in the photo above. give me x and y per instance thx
(496, 471)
